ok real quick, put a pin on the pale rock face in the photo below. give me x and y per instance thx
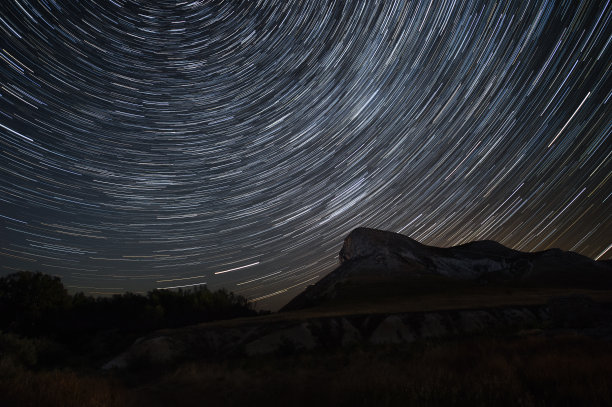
(119, 362)
(469, 261)
(381, 245)
(393, 250)
(519, 316)
(350, 334)
(433, 326)
(377, 254)
(468, 268)
(153, 351)
(336, 332)
(392, 330)
(300, 337)
(356, 246)
(475, 321)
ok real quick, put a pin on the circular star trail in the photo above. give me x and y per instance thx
(158, 144)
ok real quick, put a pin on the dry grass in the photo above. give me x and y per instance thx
(482, 371)
(537, 371)
(61, 388)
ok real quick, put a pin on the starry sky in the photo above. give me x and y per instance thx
(158, 144)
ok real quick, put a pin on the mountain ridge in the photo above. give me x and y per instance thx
(382, 258)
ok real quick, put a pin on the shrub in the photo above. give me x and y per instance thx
(34, 304)
(31, 302)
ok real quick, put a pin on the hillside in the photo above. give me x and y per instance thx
(389, 284)
(400, 321)
(378, 267)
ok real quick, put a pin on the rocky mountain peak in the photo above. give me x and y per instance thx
(372, 257)
(365, 242)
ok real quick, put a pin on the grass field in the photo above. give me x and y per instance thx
(564, 370)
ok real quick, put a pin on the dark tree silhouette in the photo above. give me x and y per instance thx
(31, 302)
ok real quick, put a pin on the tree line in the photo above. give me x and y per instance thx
(36, 304)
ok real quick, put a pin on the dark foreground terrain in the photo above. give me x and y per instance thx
(397, 324)
(528, 369)
(560, 357)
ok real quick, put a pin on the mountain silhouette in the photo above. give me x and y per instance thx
(376, 264)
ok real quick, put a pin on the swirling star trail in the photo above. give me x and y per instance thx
(157, 144)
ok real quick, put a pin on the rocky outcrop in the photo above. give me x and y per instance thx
(250, 339)
(385, 247)
(299, 337)
(146, 351)
(385, 259)
(387, 255)
(467, 261)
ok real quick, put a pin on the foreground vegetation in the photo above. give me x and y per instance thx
(52, 345)
(564, 370)
(41, 325)
(35, 304)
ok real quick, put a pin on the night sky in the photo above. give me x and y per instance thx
(157, 144)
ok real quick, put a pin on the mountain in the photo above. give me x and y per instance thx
(391, 289)
(377, 265)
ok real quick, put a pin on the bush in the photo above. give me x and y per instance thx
(18, 351)
(31, 302)
(34, 304)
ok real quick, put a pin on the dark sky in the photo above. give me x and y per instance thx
(157, 144)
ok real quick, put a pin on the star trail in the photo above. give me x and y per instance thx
(165, 144)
